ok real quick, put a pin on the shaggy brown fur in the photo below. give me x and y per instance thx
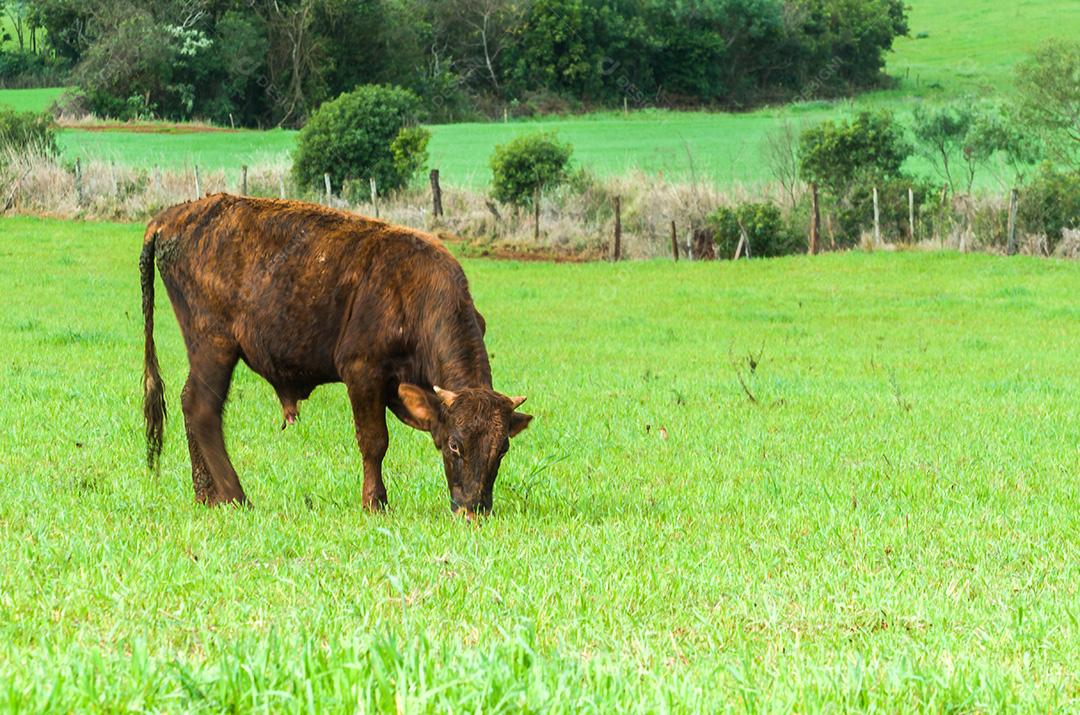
(306, 296)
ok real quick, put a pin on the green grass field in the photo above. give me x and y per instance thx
(970, 48)
(892, 525)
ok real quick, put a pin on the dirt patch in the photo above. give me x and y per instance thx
(148, 128)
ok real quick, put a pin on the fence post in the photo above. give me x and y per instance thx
(326, 183)
(877, 221)
(198, 184)
(436, 194)
(78, 182)
(739, 248)
(374, 196)
(281, 185)
(911, 215)
(243, 180)
(618, 227)
(815, 220)
(536, 214)
(115, 183)
(1014, 197)
(674, 243)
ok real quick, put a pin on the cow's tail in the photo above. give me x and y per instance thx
(153, 387)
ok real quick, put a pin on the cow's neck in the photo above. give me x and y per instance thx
(459, 358)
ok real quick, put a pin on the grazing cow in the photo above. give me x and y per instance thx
(306, 296)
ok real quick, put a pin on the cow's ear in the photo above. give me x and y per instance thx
(518, 422)
(421, 406)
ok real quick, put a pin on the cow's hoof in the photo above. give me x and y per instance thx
(375, 506)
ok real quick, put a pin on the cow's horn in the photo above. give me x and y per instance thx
(446, 396)
(518, 401)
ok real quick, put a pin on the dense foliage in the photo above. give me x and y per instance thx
(26, 131)
(269, 63)
(763, 226)
(364, 134)
(1050, 203)
(528, 165)
(1048, 88)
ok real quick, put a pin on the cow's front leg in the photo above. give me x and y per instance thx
(369, 414)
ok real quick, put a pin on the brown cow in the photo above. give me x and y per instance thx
(307, 296)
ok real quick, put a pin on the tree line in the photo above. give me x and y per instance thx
(272, 62)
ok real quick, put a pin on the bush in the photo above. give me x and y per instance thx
(765, 228)
(30, 69)
(840, 155)
(1050, 203)
(355, 135)
(27, 131)
(528, 164)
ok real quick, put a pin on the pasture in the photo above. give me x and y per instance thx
(847, 482)
(963, 48)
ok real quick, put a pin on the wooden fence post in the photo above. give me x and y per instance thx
(326, 183)
(436, 194)
(815, 221)
(79, 196)
(115, 183)
(198, 184)
(911, 215)
(536, 214)
(1014, 199)
(877, 221)
(281, 185)
(674, 243)
(243, 180)
(374, 196)
(743, 243)
(618, 227)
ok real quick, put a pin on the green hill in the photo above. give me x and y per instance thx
(966, 47)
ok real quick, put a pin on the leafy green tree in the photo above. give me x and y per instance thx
(961, 138)
(355, 136)
(837, 155)
(1048, 97)
(528, 166)
(847, 159)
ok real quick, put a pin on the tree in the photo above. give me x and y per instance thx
(847, 159)
(836, 155)
(355, 136)
(527, 166)
(1048, 97)
(960, 138)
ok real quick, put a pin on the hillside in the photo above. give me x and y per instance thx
(955, 49)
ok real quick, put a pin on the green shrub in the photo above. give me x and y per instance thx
(766, 230)
(27, 131)
(353, 137)
(409, 149)
(857, 213)
(526, 165)
(1050, 203)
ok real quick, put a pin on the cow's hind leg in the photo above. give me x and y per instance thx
(212, 473)
(200, 472)
(369, 414)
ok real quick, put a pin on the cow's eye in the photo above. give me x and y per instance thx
(454, 446)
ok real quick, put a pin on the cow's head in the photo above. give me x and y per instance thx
(472, 428)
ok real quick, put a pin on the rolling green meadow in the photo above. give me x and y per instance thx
(839, 483)
(958, 49)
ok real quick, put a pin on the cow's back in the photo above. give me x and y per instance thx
(283, 278)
